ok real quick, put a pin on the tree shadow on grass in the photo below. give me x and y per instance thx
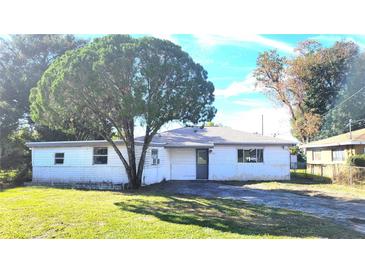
(234, 217)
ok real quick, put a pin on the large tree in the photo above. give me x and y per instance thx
(118, 81)
(349, 104)
(23, 59)
(307, 83)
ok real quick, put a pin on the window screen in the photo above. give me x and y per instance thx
(100, 156)
(253, 155)
(154, 156)
(59, 158)
(240, 155)
(338, 155)
(316, 156)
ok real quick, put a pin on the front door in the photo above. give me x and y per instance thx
(202, 160)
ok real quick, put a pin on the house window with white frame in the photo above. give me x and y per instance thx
(59, 158)
(338, 155)
(154, 156)
(316, 155)
(254, 155)
(100, 156)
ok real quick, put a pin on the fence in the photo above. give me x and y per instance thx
(339, 173)
(298, 165)
(348, 174)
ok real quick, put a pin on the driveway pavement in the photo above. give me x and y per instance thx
(348, 212)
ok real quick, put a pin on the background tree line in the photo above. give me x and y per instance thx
(317, 84)
(23, 60)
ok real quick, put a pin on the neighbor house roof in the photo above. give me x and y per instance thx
(186, 137)
(357, 137)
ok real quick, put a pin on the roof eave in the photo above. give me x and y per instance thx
(347, 143)
(258, 143)
(82, 143)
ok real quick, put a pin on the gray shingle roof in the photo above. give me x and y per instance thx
(185, 137)
(209, 136)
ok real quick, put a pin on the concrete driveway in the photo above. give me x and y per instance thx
(348, 212)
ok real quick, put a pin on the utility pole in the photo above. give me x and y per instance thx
(350, 121)
(262, 124)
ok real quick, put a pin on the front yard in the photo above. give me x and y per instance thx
(312, 185)
(36, 212)
(346, 192)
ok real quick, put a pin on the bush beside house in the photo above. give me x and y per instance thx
(357, 160)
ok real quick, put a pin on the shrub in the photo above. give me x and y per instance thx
(9, 178)
(357, 160)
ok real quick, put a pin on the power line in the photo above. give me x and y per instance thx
(348, 98)
(358, 120)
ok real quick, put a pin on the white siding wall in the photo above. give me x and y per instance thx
(78, 166)
(175, 164)
(223, 164)
(156, 173)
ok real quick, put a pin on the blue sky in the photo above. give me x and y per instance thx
(230, 60)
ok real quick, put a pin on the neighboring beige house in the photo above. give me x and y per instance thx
(325, 156)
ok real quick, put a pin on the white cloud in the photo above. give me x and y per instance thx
(252, 103)
(276, 121)
(247, 85)
(213, 40)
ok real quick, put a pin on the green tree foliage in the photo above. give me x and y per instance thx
(118, 81)
(23, 59)
(308, 83)
(349, 104)
(357, 160)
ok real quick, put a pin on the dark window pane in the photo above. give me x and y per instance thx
(100, 151)
(100, 160)
(250, 156)
(58, 158)
(154, 156)
(202, 157)
(240, 155)
(260, 155)
(58, 161)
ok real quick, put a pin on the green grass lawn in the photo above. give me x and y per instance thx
(35, 212)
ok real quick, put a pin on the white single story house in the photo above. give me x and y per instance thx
(188, 153)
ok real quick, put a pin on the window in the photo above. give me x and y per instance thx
(316, 155)
(100, 156)
(59, 158)
(250, 155)
(240, 155)
(154, 156)
(338, 155)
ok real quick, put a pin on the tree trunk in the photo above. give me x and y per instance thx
(142, 161)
